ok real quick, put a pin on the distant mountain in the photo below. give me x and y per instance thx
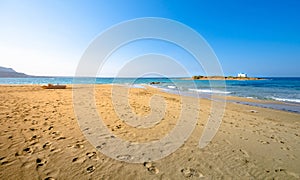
(10, 73)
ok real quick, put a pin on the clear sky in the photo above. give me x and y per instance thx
(48, 37)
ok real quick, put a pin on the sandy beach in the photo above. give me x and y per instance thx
(40, 138)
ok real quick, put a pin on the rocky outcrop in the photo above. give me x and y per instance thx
(10, 73)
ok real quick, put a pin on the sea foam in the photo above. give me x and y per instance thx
(286, 99)
(210, 91)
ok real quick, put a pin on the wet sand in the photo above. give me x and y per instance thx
(40, 138)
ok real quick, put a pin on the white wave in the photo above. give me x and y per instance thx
(172, 87)
(210, 91)
(286, 99)
(138, 86)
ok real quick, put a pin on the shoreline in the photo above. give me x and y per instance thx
(292, 107)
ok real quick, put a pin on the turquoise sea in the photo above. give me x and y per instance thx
(278, 89)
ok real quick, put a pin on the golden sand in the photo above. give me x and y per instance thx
(40, 138)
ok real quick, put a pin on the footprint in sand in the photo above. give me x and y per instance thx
(264, 142)
(49, 178)
(92, 155)
(55, 150)
(74, 159)
(78, 146)
(124, 157)
(40, 162)
(90, 169)
(189, 172)
(253, 111)
(61, 137)
(55, 133)
(243, 138)
(34, 137)
(46, 145)
(3, 161)
(279, 170)
(78, 160)
(151, 168)
(119, 126)
(27, 150)
(101, 146)
(285, 148)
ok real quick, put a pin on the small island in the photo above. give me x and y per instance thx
(239, 77)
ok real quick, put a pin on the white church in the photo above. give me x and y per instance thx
(242, 75)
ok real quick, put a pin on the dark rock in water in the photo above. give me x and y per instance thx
(154, 83)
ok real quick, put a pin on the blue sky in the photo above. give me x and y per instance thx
(260, 38)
